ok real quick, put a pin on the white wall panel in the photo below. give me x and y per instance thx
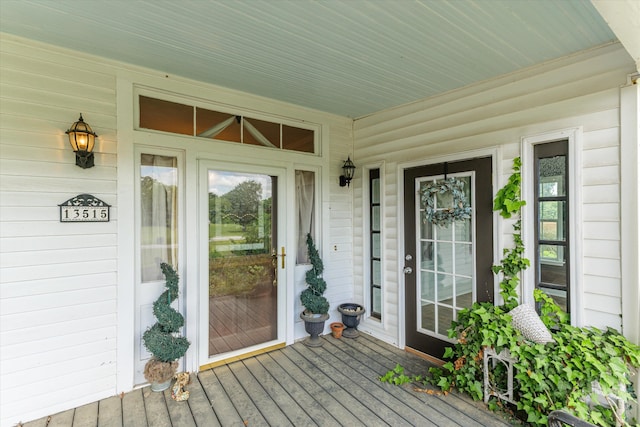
(581, 91)
(57, 304)
(59, 291)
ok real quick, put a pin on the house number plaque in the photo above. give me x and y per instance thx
(84, 208)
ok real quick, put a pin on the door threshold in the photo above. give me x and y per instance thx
(425, 356)
(242, 356)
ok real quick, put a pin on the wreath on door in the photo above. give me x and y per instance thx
(460, 209)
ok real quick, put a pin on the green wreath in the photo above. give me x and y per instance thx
(443, 217)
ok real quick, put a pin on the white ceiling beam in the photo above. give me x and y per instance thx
(623, 17)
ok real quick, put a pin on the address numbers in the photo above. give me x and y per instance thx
(84, 208)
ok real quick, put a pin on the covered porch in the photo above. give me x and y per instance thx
(336, 384)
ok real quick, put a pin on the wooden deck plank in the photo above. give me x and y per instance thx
(133, 411)
(248, 411)
(220, 401)
(458, 407)
(298, 387)
(156, 408)
(86, 415)
(366, 392)
(110, 412)
(179, 412)
(200, 406)
(438, 412)
(338, 389)
(294, 412)
(359, 360)
(40, 422)
(62, 419)
(333, 385)
(259, 396)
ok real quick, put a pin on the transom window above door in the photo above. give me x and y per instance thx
(185, 119)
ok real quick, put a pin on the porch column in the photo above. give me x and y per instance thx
(630, 214)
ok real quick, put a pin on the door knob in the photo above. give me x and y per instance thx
(407, 270)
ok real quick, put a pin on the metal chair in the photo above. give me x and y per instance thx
(562, 419)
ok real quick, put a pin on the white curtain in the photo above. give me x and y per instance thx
(305, 195)
(159, 231)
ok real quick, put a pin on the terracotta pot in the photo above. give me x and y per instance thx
(336, 329)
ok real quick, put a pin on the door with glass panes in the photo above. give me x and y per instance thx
(447, 267)
(243, 260)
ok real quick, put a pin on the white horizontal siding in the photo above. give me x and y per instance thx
(58, 289)
(579, 91)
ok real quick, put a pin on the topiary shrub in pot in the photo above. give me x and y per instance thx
(162, 339)
(315, 304)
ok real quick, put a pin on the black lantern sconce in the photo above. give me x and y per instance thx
(82, 140)
(348, 169)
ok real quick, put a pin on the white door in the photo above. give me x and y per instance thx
(242, 260)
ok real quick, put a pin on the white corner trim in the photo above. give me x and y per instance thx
(126, 226)
(630, 210)
(575, 138)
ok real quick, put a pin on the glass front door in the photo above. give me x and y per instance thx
(242, 262)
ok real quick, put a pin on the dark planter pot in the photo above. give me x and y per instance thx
(314, 325)
(351, 314)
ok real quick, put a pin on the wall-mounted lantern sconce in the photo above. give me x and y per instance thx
(348, 169)
(82, 140)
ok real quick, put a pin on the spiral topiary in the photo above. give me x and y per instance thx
(160, 339)
(311, 297)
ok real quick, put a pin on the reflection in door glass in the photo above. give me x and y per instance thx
(447, 265)
(242, 279)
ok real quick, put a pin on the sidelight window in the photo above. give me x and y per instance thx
(375, 255)
(551, 221)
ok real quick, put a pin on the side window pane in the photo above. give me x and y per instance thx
(159, 214)
(166, 116)
(297, 139)
(216, 125)
(305, 195)
(552, 207)
(261, 133)
(375, 286)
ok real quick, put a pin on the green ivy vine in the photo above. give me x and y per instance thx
(548, 377)
(508, 202)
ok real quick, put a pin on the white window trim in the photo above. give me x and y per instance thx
(575, 140)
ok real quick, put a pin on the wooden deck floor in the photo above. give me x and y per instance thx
(333, 385)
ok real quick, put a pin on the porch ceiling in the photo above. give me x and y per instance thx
(350, 58)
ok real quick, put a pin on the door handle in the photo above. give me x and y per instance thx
(407, 270)
(282, 254)
(275, 255)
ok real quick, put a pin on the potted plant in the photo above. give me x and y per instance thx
(162, 339)
(351, 314)
(316, 306)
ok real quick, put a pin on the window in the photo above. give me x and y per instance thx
(305, 208)
(375, 244)
(173, 117)
(159, 214)
(551, 213)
